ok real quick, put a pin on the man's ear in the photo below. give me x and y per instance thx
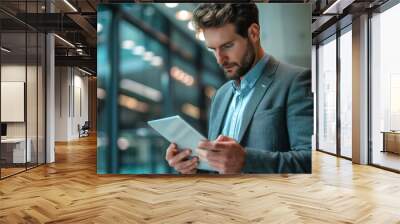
(254, 32)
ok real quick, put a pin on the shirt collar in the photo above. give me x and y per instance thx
(251, 77)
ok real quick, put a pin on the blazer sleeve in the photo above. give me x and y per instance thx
(299, 116)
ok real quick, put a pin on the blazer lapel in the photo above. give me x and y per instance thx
(222, 107)
(261, 88)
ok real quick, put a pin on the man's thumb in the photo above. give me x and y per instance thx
(223, 138)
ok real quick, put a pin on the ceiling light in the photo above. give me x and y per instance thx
(70, 5)
(141, 89)
(183, 15)
(65, 41)
(5, 50)
(138, 50)
(128, 44)
(200, 36)
(181, 76)
(133, 104)
(101, 93)
(337, 7)
(147, 56)
(99, 27)
(156, 61)
(191, 110)
(84, 71)
(123, 143)
(171, 5)
(190, 25)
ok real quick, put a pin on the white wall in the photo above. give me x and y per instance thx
(61, 103)
(16, 73)
(33, 126)
(71, 94)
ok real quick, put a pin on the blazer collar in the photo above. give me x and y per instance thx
(261, 88)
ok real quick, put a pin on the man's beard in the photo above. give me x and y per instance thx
(246, 63)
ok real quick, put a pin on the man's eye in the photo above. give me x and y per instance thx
(228, 46)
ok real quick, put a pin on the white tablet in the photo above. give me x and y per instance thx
(178, 131)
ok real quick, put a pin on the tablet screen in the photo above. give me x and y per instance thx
(178, 131)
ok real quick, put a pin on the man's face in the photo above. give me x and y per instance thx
(234, 53)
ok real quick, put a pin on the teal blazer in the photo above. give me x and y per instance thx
(278, 120)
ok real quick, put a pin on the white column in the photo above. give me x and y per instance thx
(50, 94)
(360, 90)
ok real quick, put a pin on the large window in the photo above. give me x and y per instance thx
(346, 93)
(327, 96)
(334, 137)
(385, 88)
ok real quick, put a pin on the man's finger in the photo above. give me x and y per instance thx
(202, 153)
(216, 165)
(210, 156)
(190, 170)
(224, 138)
(207, 155)
(171, 151)
(213, 145)
(221, 145)
(215, 158)
(186, 164)
(205, 144)
(179, 157)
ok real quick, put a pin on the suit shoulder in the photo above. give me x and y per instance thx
(291, 69)
(289, 72)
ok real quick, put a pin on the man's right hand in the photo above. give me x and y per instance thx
(180, 161)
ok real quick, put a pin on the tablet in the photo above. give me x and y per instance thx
(178, 131)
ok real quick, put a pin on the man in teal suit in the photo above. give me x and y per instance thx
(261, 121)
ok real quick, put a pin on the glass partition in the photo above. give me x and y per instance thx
(22, 89)
(327, 96)
(14, 153)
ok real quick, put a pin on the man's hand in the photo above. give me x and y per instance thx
(224, 154)
(180, 161)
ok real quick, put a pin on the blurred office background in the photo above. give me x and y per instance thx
(151, 64)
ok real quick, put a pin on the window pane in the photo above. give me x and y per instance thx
(345, 94)
(327, 97)
(385, 83)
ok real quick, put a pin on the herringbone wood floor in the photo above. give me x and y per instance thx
(70, 191)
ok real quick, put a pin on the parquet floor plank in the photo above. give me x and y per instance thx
(70, 191)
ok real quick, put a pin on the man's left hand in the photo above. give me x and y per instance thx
(224, 154)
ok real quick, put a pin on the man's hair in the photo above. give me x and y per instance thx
(215, 15)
